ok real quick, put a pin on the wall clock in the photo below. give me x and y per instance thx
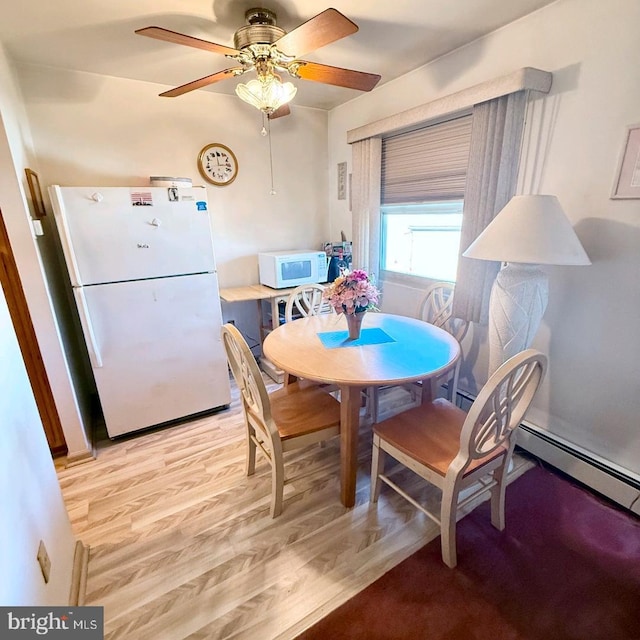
(218, 164)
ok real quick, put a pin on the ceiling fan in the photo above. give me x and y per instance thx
(262, 46)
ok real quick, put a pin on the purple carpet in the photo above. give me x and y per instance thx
(567, 566)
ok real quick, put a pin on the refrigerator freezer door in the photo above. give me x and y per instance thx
(115, 234)
(160, 347)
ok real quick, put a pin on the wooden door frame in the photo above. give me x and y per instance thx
(21, 318)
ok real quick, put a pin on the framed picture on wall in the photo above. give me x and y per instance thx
(627, 183)
(36, 193)
(342, 181)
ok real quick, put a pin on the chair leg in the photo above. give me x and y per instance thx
(371, 403)
(452, 385)
(498, 495)
(448, 513)
(277, 487)
(251, 452)
(377, 467)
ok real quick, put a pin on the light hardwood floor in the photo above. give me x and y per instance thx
(182, 544)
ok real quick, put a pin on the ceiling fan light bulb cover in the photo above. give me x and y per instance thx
(266, 94)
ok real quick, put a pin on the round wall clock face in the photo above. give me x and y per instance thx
(217, 164)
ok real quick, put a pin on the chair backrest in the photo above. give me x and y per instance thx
(500, 407)
(436, 309)
(306, 300)
(253, 392)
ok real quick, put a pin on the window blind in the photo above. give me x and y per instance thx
(426, 164)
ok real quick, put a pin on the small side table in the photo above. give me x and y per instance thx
(259, 293)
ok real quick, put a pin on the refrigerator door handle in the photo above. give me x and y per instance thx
(65, 235)
(87, 328)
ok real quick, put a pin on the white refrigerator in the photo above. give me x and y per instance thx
(143, 272)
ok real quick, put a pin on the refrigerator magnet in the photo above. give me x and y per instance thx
(141, 199)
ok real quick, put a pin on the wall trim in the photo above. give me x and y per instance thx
(79, 458)
(527, 78)
(587, 469)
(604, 477)
(79, 575)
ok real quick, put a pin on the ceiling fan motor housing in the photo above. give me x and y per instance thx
(260, 29)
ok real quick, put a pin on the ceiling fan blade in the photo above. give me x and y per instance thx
(284, 110)
(338, 76)
(323, 29)
(180, 38)
(202, 82)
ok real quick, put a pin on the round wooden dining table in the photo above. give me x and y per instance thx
(391, 350)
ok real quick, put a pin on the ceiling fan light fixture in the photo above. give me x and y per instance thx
(266, 93)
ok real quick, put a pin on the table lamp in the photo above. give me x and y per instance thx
(529, 231)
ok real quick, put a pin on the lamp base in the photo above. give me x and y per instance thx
(518, 300)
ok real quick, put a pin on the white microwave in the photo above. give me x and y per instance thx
(281, 269)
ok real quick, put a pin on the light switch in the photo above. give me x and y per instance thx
(37, 227)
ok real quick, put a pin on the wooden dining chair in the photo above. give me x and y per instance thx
(306, 300)
(436, 308)
(277, 422)
(454, 450)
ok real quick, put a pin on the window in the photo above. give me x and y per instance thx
(422, 239)
(422, 193)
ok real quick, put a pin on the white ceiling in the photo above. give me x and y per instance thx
(97, 36)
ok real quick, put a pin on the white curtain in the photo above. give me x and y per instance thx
(496, 137)
(365, 203)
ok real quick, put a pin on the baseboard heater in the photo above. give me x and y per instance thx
(598, 474)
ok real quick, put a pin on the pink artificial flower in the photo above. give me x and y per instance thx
(353, 292)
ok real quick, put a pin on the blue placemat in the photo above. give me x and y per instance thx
(333, 339)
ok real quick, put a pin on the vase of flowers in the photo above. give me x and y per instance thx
(352, 293)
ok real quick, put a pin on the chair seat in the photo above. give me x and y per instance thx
(299, 410)
(430, 434)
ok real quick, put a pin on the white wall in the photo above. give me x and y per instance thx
(16, 153)
(103, 131)
(590, 396)
(97, 130)
(31, 506)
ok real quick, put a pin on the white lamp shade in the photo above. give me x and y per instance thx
(530, 229)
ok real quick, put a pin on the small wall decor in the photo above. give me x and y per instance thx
(342, 180)
(36, 193)
(627, 184)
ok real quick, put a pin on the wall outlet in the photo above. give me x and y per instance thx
(44, 561)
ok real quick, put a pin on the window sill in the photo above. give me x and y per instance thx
(407, 280)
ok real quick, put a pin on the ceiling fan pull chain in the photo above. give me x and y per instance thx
(267, 129)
